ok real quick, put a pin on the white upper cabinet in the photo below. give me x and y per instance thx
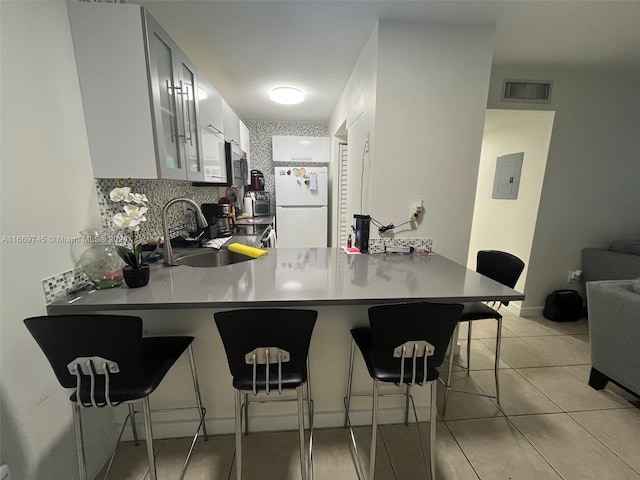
(141, 111)
(210, 105)
(231, 124)
(295, 149)
(216, 167)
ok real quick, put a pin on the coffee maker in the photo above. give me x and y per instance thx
(257, 181)
(224, 219)
(219, 214)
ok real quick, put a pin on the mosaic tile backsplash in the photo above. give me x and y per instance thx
(421, 245)
(159, 192)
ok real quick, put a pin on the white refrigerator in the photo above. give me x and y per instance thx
(301, 206)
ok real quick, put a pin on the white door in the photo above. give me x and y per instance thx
(301, 226)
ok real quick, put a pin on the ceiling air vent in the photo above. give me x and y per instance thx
(526, 91)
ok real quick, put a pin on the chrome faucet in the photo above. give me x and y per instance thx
(201, 221)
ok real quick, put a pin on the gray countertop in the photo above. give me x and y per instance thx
(298, 276)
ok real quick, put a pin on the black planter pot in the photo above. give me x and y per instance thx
(136, 278)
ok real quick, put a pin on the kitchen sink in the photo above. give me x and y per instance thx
(205, 257)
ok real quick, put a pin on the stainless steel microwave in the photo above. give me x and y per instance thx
(239, 166)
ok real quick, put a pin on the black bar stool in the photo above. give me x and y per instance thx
(268, 350)
(502, 267)
(405, 345)
(108, 362)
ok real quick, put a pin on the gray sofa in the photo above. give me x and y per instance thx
(621, 261)
(614, 329)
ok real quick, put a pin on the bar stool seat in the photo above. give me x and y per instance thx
(405, 345)
(108, 362)
(363, 339)
(267, 350)
(504, 268)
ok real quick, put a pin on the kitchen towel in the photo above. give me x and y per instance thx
(273, 240)
(247, 250)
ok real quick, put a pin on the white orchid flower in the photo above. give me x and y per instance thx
(126, 221)
(119, 194)
(136, 212)
(138, 198)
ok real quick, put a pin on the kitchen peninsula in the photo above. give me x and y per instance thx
(182, 300)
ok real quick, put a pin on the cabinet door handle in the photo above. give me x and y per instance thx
(171, 108)
(211, 125)
(186, 124)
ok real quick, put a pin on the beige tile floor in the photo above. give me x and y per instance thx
(551, 424)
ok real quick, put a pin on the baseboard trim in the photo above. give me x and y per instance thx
(282, 422)
(526, 311)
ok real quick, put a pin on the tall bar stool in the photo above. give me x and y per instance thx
(502, 267)
(405, 345)
(108, 362)
(267, 351)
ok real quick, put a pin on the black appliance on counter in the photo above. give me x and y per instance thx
(256, 182)
(363, 222)
(219, 214)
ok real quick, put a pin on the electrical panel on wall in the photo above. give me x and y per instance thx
(507, 178)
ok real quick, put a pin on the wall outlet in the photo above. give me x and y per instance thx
(4, 472)
(575, 276)
(416, 207)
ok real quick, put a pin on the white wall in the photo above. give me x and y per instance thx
(356, 108)
(47, 189)
(427, 86)
(509, 225)
(592, 181)
(430, 107)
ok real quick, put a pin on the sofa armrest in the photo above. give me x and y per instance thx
(614, 329)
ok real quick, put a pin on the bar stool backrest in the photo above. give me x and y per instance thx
(394, 325)
(244, 331)
(116, 338)
(500, 266)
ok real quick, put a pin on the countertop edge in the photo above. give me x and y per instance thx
(59, 309)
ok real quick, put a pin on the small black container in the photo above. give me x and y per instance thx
(136, 278)
(563, 306)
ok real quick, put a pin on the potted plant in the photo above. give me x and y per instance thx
(136, 272)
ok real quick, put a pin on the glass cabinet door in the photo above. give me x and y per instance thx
(189, 131)
(162, 64)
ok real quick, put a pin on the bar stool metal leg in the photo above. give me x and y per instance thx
(303, 469)
(469, 327)
(454, 339)
(238, 419)
(374, 430)
(310, 413)
(245, 406)
(149, 438)
(349, 381)
(497, 363)
(196, 386)
(134, 428)
(432, 430)
(406, 404)
(77, 425)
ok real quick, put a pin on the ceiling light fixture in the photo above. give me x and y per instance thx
(286, 95)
